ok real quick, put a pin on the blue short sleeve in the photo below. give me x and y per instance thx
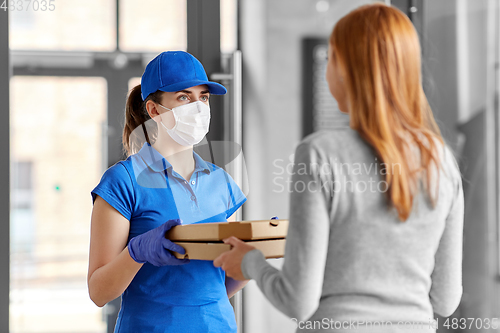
(236, 196)
(116, 188)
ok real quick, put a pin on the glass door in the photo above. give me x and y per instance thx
(67, 97)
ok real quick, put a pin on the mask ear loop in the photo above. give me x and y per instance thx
(175, 118)
(145, 133)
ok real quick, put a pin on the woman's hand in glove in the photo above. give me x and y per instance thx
(153, 247)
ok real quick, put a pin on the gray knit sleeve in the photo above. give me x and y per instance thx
(446, 289)
(296, 289)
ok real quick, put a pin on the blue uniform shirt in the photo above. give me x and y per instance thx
(147, 191)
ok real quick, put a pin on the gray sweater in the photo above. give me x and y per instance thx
(349, 261)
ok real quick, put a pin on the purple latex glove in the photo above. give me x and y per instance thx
(153, 247)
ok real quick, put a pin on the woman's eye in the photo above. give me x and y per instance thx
(204, 98)
(183, 98)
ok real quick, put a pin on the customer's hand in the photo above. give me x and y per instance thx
(153, 247)
(230, 261)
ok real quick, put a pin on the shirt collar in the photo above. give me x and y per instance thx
(156, 162)
(200, 164)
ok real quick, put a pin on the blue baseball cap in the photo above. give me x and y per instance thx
(174, 71)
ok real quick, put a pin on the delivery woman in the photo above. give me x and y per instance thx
(375, 242)
(163, 184)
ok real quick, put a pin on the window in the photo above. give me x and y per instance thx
(228, 26)
(71, 25)
(56, 147)
(152, 25)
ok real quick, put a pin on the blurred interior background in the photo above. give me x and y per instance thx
(65, 70)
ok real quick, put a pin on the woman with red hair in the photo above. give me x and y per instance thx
(374, 245)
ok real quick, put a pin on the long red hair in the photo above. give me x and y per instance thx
(378, 49)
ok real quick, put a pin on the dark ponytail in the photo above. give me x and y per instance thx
(136, 115)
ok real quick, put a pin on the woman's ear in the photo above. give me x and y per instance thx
(152, 110)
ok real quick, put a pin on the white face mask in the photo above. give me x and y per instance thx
(191, 123)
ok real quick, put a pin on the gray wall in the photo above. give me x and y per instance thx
(440, 64)
(456, 55)
(454, 62)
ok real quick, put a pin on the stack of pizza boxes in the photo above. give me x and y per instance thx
(204, 241)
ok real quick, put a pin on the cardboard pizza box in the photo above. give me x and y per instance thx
(274, 248)
(244, 230)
